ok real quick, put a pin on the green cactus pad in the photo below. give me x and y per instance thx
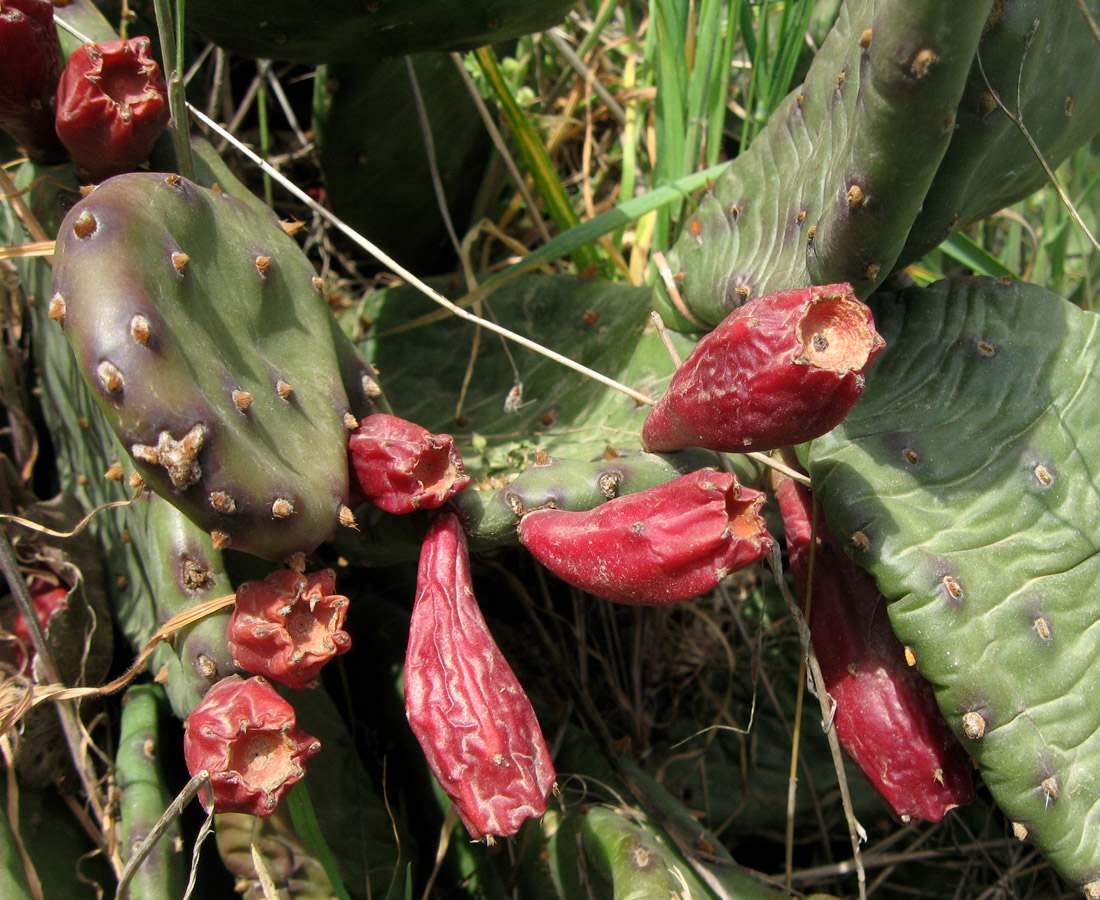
(965, 481)
(829, 189)
(144, 794)
(348, 30)
(379, 180)
(1043, 60)
(491, 516)
(201, 331)
(600, 324)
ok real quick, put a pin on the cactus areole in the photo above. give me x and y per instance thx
(247, 737)
(668, 543)
(112, 105)
(780, 370)
(465, 705)
(287, 626)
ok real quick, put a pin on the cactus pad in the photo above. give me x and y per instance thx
(829, 189)
(1041, 58)
(964, 480)
(348, 30)
(199, 327)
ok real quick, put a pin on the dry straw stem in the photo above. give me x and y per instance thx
(855, 830)
(57, 691)
(139, 855)
(9, 192)
(34, 885)
(263, 874)
(49, 532)
(22, 251)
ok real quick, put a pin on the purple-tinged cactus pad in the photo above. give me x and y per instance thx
(199, 328)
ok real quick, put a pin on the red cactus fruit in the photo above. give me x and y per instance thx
(48, 598)
(401, 466)
(30, 66)
(668, 543)
(780, 370)
(112, 105)
(887, 719)
(247, 737)
(288, 626)
(474, 722)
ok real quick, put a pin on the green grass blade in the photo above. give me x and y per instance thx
(534, 154)
(701, 86)
(980, 261)
(668, 38)
(720, 79)
(605, 223)
(792, 29)
(305, 823)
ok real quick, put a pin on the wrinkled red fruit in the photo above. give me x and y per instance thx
(48, 598)
(887, 719)
(668, 543)
(464, 703)
(246, 736)
(30, 66)
(780, 370)
(288, 626)
(112, 105)
(401, 467)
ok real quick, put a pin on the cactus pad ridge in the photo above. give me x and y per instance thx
(211, 352)
(829, 189)
(962, 467)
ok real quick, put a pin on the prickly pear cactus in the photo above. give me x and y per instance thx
(964, 480)
(144, 793)
(347, 30)
(829, 189)
(189, 314)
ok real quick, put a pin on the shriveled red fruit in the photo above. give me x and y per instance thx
(48, 598)
(465, 705)
(287, 626)
(247, 737)
(30, 66)
(887, 719)
(112, 105)
(400, 466)
(780, 370)
(668, 543)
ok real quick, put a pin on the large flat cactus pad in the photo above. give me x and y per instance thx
(967, 480)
